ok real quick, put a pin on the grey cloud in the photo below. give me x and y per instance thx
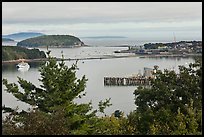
(95, 12)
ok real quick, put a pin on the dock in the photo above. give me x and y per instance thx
(126, 81)
(136, 80)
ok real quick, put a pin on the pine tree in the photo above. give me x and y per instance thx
(57, 92)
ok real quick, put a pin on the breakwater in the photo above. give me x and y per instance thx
(66, 59)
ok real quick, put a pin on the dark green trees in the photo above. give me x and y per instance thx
(51, 41)
(54, 97)
(14, 53)
(173, 103)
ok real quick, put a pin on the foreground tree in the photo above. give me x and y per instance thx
(173, 103)
(54, 97)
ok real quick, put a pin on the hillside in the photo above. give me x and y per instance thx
(14, 53)
(7, 40)
(52, 41)
(22, 35)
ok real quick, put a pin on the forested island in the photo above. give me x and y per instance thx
(7, 40)
(22, 35)
(14, 53)
(52, 41)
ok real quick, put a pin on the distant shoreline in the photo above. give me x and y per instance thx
(26, 60)
(170, 55)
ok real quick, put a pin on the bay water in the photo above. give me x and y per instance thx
(95, 70)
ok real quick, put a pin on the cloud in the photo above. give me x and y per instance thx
(141, 19)
(99, 12)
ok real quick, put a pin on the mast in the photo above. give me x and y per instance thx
(174, 40)
(174, 37)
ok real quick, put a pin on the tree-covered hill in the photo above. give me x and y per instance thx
(22, 35)
(52, 41)
(13, 53)
(6, 40)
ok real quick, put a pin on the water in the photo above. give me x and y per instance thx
(95, 70)
(120, 41)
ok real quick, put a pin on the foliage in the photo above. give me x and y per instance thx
(173, 103)
(14, 52)
(153, 45)
(54, 97)
(36, 123)
(102, 105)
(51, 41)
(111, 125)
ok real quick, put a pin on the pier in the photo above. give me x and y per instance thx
(136, 80)
(126, 81)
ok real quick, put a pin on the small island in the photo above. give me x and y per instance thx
(52, 41)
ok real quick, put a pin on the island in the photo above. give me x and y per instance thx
(7, 40)
(22, 35)
(52, 41)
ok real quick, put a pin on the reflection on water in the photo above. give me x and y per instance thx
(9, 67)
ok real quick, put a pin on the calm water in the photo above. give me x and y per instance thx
(95, 70)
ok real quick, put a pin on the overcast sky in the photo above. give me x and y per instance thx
(131, 19)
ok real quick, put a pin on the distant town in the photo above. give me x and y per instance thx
(174, 48)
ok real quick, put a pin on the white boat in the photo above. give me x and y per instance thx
(23, 66)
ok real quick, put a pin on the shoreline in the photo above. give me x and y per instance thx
(168, 55)
(26, 60)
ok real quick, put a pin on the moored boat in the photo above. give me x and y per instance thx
(23, 66)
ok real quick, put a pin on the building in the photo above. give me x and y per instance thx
(148, 72)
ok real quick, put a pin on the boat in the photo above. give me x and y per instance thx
(23, 66)
(117, 51)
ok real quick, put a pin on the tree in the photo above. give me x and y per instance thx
(36, 123)
(157, 106)
(57, 92)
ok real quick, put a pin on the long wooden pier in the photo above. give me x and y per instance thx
(126, 81)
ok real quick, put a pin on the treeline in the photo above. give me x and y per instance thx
(14, 53)
(172, 105)
(51, 41)
(171, 45)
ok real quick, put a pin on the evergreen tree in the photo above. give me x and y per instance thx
(57, 92)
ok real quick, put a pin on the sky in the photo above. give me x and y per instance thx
(139, 20)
